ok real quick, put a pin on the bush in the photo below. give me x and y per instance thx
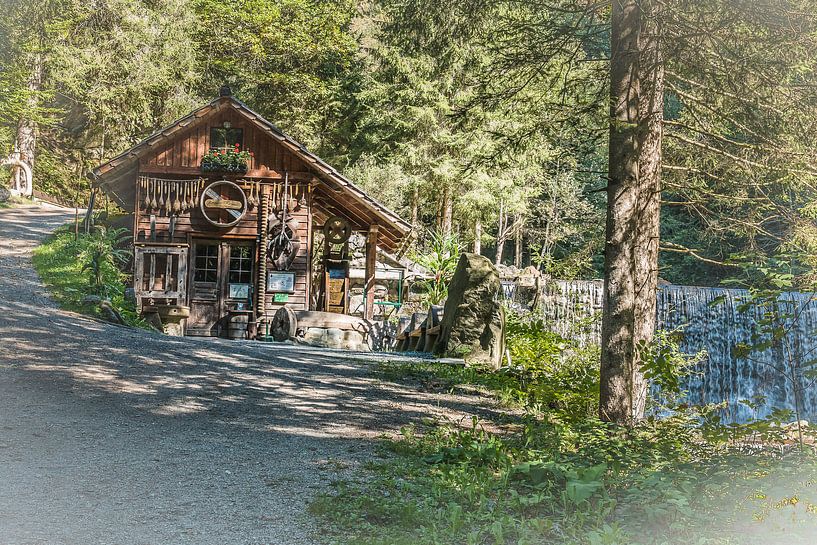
(557, 373)
(558, 475)
(73, 267)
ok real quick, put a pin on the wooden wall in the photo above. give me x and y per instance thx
(301, 265)
(192, 224)
(180, 157)
(183, 152)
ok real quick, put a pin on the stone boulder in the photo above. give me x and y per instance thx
(473, 324)
(5, 194)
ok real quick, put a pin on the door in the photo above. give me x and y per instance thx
(221, 283)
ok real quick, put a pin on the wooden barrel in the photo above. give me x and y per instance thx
(237, 326)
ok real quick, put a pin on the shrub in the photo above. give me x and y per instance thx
(86, 265)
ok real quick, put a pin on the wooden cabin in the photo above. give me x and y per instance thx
(233, 219)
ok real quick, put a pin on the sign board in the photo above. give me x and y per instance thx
(336, 291)
(281, 281)
(337, 273)
(239, 291)
(225, 204)
(280, 297)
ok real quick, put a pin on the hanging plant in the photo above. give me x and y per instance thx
(229, 160)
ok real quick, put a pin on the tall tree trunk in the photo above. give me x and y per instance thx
(478, 236)
(25, 143)
(517, 255)
(500, 234)
(447, 212)
(633, 191)
(415, 204)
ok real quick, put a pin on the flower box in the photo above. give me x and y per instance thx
(226, 160)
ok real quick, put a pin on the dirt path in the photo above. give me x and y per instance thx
(116, 436)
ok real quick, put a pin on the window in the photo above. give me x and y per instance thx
(159, 271)
(240, 265)
(206, 263)
(221, 138)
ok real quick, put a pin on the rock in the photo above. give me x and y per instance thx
(154, 320)
(130, 295)
(91, 300)
(5, 194)
(473, 324)
(109, 313)
(315, 336)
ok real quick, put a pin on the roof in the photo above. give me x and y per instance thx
(117, 177)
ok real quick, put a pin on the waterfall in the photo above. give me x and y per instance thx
(710, 320)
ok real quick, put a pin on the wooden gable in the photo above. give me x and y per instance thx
(177, 150)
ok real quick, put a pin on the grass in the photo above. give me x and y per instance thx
(60, 262)
(556, 475)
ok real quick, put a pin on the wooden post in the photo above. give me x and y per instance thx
(263, 240)
(371, 265)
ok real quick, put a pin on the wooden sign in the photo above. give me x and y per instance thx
(281, 281)
(223, 195)
(337, 292)
(223, 204)
(239, 291)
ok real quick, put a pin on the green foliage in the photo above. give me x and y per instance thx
(102, 252)
(551, 472)
(292, 60)
(665, 366)
(440, 261)
(72, 268)
(557, 372)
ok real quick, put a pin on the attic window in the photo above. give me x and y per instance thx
(226, 138)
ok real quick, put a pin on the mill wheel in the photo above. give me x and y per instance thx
(284, 324)
(337, 230)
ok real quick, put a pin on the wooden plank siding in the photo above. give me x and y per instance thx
(301, 265)
(191, 224)
(187, 147)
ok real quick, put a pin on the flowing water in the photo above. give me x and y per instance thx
(712, 320)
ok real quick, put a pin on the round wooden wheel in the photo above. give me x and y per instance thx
(284, 324)
(223, 203)
(337, 230)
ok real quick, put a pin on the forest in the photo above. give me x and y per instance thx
(642, 142)
(484, 120)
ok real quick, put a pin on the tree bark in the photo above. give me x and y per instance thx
(633, 205)
(478, 237)
(447, 212)
(415, 205)
(517, 256)
(500, 234)
(25, 143)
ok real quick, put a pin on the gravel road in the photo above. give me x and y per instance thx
(110, 435)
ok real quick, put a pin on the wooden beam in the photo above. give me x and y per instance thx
(371, 268)
(261, 287)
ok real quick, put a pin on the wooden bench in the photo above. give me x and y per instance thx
(405, 341)
(420, 333)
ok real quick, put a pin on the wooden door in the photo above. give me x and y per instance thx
(222, 276)
(205, 287)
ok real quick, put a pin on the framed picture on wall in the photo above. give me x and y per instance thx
(281, 281)
(240, 291)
